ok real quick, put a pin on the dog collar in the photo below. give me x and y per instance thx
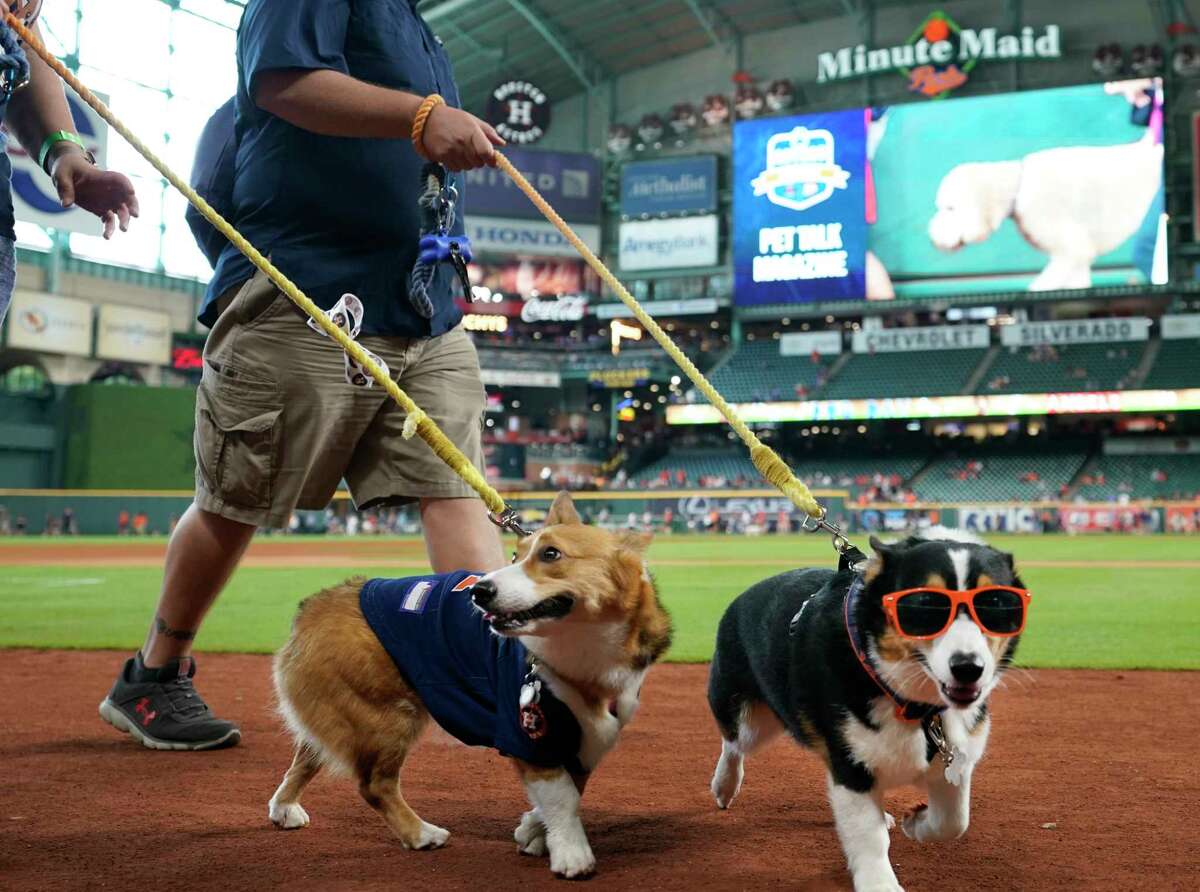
(906, 710)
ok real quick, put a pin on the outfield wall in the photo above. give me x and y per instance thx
(732, 510)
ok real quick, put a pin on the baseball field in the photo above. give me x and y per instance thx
(1087, 782)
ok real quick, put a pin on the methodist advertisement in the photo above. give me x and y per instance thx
(1045, 190)
(799, 198)
(672, 186)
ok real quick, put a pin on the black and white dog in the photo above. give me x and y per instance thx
(885, 673)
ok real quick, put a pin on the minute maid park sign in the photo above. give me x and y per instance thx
(939, 55)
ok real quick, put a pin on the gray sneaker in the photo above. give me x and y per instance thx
(161, 709)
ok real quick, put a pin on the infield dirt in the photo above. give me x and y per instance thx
(1089, 783)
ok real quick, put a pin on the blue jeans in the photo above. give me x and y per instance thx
(8, 274)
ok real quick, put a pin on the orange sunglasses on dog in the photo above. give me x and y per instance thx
(922, 613)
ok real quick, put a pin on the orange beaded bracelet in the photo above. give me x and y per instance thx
(428, 104)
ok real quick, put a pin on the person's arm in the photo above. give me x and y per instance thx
(39, 109)
(331, 103)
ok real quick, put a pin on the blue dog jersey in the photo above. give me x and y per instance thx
(468, 678)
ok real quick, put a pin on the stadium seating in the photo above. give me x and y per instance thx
(1175, 366)
(1140, 477)
(732, 463)
(757, 372)
(1000, 478)
(929, 373)
(1078, 367)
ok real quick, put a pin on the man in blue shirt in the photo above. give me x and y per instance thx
(325, 182)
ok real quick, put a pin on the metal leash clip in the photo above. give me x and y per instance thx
(509, 521)
(851, 557)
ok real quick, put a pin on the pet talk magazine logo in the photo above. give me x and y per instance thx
(801, 172)
(939, 55)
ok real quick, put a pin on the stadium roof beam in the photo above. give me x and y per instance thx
(491, 52)
(582, 65)
(712, 20)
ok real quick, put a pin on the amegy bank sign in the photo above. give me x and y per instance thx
(939, 55)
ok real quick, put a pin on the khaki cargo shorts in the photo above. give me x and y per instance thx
(278, 427)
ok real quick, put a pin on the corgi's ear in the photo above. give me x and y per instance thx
(635, 541)
(562, 511)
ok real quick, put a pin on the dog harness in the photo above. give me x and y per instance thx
(472, 681)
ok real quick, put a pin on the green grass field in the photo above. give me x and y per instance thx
(1086, 615)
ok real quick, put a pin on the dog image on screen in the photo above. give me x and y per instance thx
(1073, 204)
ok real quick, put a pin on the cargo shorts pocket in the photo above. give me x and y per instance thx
(237, 444)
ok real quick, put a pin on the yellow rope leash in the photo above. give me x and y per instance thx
(766, 459)
(417, 421)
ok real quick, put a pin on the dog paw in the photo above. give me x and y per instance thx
(573, 862)
(430, 836)
(889, 819)
(287, 817)
(530, 835)
(726, 782)
(914, 823)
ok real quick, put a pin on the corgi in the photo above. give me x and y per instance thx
(885, 674)
(542, 660)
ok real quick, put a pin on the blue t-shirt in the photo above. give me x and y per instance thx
(468, 678)
(212, 176)
(336, 214)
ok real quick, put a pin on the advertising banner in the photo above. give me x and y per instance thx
(668, 244)
(702, 306)
(35, 200)
(1182, 326)
(38, 321)
(1075, 331)
(1109, 518)
(672, 186)
(527, 238)
(936, 337)
(805, 343)
(987, 519)
(1098, 402)
(799, 208)
(1183, 518)
(521, 378)
(529, 278)
(571, 181)
(131, 334)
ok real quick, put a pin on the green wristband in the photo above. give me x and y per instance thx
(54, 139)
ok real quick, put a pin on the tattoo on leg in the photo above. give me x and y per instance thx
(178, 634)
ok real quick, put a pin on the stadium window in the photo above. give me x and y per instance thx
(25, 380)
(172, 72)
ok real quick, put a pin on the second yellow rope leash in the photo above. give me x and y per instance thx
(417, 422)
(765, 459)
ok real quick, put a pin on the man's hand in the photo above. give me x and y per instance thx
(459, 140)
(107, 194)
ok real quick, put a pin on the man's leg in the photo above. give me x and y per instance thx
(203, 552)
(153, 698)
(460, 536)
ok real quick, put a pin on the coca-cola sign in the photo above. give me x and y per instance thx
(569, 308)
